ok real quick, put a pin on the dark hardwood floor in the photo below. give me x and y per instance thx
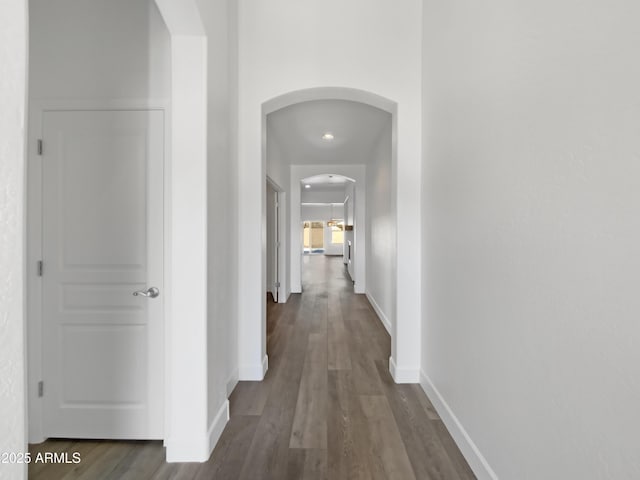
(327, 409)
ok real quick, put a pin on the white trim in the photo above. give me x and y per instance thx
(232, 381)
(254, 372)
(34, 282)
(403, 374)
(469, 449)
(321, 204)
(38, 106)
(217, 426)
(45, 104)
(383, 318)
(329, 93)
(192, 449)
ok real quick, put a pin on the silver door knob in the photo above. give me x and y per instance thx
(151, 292)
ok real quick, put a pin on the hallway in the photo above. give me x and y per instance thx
(327, 408)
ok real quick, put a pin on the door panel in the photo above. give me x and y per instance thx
(102, 240)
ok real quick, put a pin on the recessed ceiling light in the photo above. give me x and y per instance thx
(327, 137)
(307, 186)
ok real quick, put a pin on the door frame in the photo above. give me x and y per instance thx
(281, 232)
(34, 242)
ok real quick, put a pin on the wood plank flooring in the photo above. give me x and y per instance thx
(327, 409)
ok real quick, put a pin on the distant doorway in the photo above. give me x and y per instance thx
(273, 241)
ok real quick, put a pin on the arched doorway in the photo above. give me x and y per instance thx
(252, 309)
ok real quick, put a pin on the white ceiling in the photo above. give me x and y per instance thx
(327, 180)
(298, 129)
(324, 188)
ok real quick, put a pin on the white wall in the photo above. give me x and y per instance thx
(531, 231)
(277, 161)
(13, 68)
(98, 50)
(204, 77)
(187, 339)
(218, 18)
(319, 195)
(287, 46)
(381, 230)
(318, 213)
(349, 203)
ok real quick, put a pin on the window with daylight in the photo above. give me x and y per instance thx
(337, 233)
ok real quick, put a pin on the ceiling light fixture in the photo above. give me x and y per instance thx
(327, 137)
(307, 186)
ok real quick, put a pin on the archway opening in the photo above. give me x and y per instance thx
(327, 213)
(302, 147)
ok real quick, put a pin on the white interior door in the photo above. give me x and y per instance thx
(103, 241)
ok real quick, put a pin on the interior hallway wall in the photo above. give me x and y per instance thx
(531, 188)
(219, 21)
(13, 88)
(98, 50)
(381, 230)
(318, 194)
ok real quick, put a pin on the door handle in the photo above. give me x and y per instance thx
(151, 292)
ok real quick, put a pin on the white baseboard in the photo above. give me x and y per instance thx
(383, 318)
(469, 450)
(254, 372)
(217, 426)
(403, 374)
(284, 298)
(198, 448)
(232, 381)
(187, 449)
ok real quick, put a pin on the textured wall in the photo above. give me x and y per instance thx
(532, 231)
(13, 44)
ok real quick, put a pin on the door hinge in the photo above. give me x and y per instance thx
(40, 268)
(40, 388)
(277, 284)
(39, 146)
